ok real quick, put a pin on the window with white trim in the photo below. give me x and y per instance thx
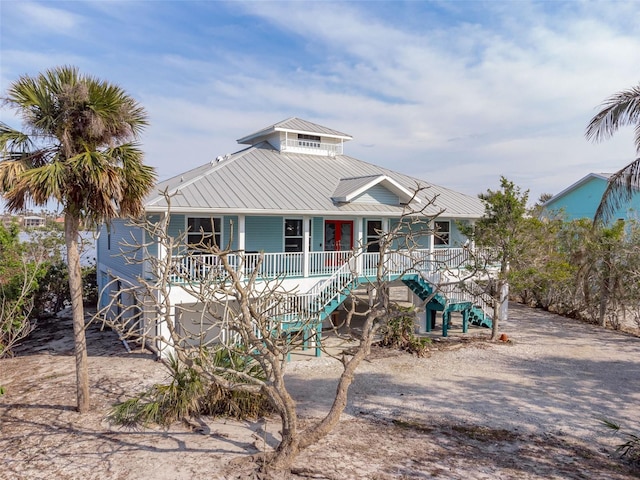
(293, 235)
(442, 230)
(203, 232)
(374, 227)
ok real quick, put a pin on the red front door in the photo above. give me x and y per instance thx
(338, 235)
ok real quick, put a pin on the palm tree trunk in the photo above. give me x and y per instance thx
(71, 233)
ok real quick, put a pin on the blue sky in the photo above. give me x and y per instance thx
(456, 93)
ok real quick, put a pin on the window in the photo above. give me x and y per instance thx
(293, 235)
(441, 233)
(312, 141)
(373, 235)
(203, 232)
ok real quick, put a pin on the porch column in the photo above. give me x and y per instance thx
(241, 232)
(306, 237)
(432, 245)
(162, 251)
(359, 243)
(384, 226)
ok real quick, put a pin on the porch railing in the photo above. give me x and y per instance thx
(200, 267)
(311, 146)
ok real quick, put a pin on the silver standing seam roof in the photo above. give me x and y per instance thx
(261, 180)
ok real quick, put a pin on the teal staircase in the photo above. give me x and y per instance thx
(449, 298)
(306, 312)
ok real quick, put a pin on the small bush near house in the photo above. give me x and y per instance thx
(398, 333)
(189, 396)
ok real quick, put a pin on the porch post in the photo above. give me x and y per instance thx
(359, 245)
(306, 236)
(432, 245)
(384, 226)
(241, 245)
(162, 253)
(241, 232)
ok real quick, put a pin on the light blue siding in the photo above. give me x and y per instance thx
(377, 194)
(420, 234)
(317, 234)
(264, 234)
(583, 201)
(456, 238)
(120, 257)
(152, 246)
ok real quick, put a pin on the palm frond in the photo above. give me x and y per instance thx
(621, 187)
(620, 109)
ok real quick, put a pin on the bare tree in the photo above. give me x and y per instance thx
(244, 313)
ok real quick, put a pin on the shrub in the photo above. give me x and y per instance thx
(398, 333)
(189, 394)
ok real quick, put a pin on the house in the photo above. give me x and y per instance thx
(581, 199)
(294, 195)
(33, 221)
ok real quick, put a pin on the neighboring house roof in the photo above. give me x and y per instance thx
(581, 199)
(574, 186)
(294, 125)
(262, 180)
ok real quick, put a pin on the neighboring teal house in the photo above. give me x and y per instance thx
(314, 212)
(581, 199)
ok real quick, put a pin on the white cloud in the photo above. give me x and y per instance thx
(508, 91)
(47, 19)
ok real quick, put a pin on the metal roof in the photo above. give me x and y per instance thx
(294, 125)
(262, 180)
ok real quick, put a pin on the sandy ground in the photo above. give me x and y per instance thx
(527, 409)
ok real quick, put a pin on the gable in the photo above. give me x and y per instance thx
(377, 194)
(581, 200)
(378, 189)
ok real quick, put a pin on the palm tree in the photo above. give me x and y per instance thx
(622, 108)
(77, 150)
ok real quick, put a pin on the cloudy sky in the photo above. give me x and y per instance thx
(456, 93)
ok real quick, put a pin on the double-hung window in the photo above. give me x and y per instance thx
(374, 228)
(203, 233)
(442, 232)
(293, 235)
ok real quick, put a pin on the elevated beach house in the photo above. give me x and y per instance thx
(315, 214)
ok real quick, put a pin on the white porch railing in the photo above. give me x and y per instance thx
(310, 146)
(199, 267)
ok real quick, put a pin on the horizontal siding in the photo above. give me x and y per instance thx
(121, 233)
(317, 234)
(420, 235)
(264, 234)
(377, 194)
(152, 245)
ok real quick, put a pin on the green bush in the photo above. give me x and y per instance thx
(190, 394)
(398, 333)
